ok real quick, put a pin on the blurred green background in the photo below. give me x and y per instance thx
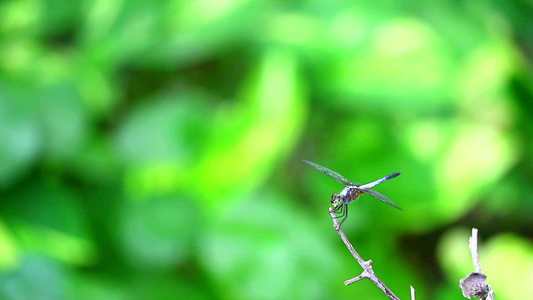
(152, 149)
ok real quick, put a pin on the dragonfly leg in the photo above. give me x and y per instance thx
(345, 214)
(339, 210)
(342, 213)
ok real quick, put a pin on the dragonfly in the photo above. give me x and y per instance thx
(352, 190)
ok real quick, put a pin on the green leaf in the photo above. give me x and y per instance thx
(158, 233)
(37, 278)
(20, 138)
(253, 135)
(47, 218)
(507, 260)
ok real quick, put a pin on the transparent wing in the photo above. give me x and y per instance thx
(366, 188)
(331, 173)
(381, 197)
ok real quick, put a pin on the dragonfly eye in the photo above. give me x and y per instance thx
(336, 200)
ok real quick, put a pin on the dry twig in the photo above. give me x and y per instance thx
(368, 272)
(475, 284)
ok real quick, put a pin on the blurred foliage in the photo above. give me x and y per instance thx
(151, 149)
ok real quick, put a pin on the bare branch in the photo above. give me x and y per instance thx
(368, 272)
(472, 244)
(356, 278)
(475, 284)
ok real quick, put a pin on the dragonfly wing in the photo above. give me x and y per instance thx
(355, 183)
(330, 173)
(381, 197)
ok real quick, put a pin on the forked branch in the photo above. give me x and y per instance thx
(368, 272)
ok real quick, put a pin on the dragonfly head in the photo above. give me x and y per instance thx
(336, 200)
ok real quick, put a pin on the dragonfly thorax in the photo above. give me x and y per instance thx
(350, 193)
